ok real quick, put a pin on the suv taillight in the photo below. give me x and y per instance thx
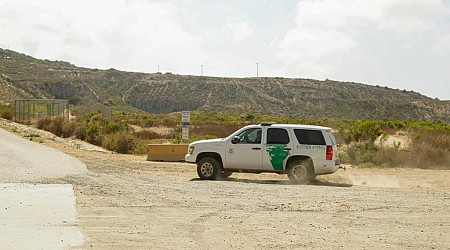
(329, 153)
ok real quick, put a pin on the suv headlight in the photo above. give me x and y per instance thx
(191, 150)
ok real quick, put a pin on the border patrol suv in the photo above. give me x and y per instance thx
(300, 151)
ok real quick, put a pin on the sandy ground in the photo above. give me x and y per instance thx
(127, 202)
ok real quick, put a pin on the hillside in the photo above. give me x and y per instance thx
(22, 76)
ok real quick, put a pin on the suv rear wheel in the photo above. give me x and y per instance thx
(300, 172)
(208, 168)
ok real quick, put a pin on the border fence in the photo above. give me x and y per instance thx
(30, 109)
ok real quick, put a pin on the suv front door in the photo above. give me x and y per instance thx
(244, 151)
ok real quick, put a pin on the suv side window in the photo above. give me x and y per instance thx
(250, 136)
(309, 137)
(277, 136)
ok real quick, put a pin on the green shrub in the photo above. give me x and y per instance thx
(93, 134)
(120, 142)
(80, 132)
(359, 153)
(365, 131)
(141, 148)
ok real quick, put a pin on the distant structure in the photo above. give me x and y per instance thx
(27, 110)
(257, 70)
(98, 107)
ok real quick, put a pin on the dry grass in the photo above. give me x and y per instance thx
(429, 149)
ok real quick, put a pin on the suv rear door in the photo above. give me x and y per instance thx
(312, 143)
(277, 148)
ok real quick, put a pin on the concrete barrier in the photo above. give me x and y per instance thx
(167, 152)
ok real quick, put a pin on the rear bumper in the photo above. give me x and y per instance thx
(328, 168)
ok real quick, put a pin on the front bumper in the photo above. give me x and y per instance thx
(190, 158)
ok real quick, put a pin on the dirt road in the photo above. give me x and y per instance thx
(127, 202)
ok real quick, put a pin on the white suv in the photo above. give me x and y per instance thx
(300, 151)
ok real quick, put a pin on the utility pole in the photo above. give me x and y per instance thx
(158, 68)
(257, 70)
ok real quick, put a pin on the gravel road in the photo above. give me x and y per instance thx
(127, 202)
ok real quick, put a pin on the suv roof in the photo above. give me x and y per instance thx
(300, 126)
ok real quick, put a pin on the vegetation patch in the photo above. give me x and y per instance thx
(429, 145)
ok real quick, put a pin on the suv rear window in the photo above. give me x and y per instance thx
(309, 137)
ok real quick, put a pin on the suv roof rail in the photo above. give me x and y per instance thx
(267, 123)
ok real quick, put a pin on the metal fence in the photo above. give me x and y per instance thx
(31, 109)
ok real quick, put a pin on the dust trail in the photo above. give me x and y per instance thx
(349, 177)
(374, 181)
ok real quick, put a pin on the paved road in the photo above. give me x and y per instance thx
(23, 161)
(33, 215)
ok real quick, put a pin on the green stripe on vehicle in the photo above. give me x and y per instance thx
(277, 155)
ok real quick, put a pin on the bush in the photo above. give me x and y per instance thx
(120, 142)
(93, 134)
(80, 132)
(7, 114)
(359, 153)
(148, 134)
(219, 130)
(44, 123)
(141, 148)
(57, 126)
(68, 129)
(365, 131)
(392, 157)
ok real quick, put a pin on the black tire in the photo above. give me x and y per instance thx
(208, 168)
(225, 174)
(300, 172)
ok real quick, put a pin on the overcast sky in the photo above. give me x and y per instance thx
(402, 44)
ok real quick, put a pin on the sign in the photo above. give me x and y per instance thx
(185, 133)
(186, 118)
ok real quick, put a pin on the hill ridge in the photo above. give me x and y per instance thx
(23, 76)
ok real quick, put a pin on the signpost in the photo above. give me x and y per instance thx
(185, 118)
(185, 123)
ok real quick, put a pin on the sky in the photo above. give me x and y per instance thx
(401, 44)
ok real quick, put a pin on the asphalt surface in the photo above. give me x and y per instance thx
(35, 215)
(22, 160)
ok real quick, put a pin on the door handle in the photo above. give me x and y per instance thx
(256, 148)
(287, 149)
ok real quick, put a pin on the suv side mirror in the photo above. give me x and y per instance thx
(235, 140)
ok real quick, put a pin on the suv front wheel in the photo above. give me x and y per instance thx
(300, 172)
(208, 168)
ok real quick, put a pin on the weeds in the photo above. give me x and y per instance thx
(430, 141)
(6, 113)
(120, 142)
